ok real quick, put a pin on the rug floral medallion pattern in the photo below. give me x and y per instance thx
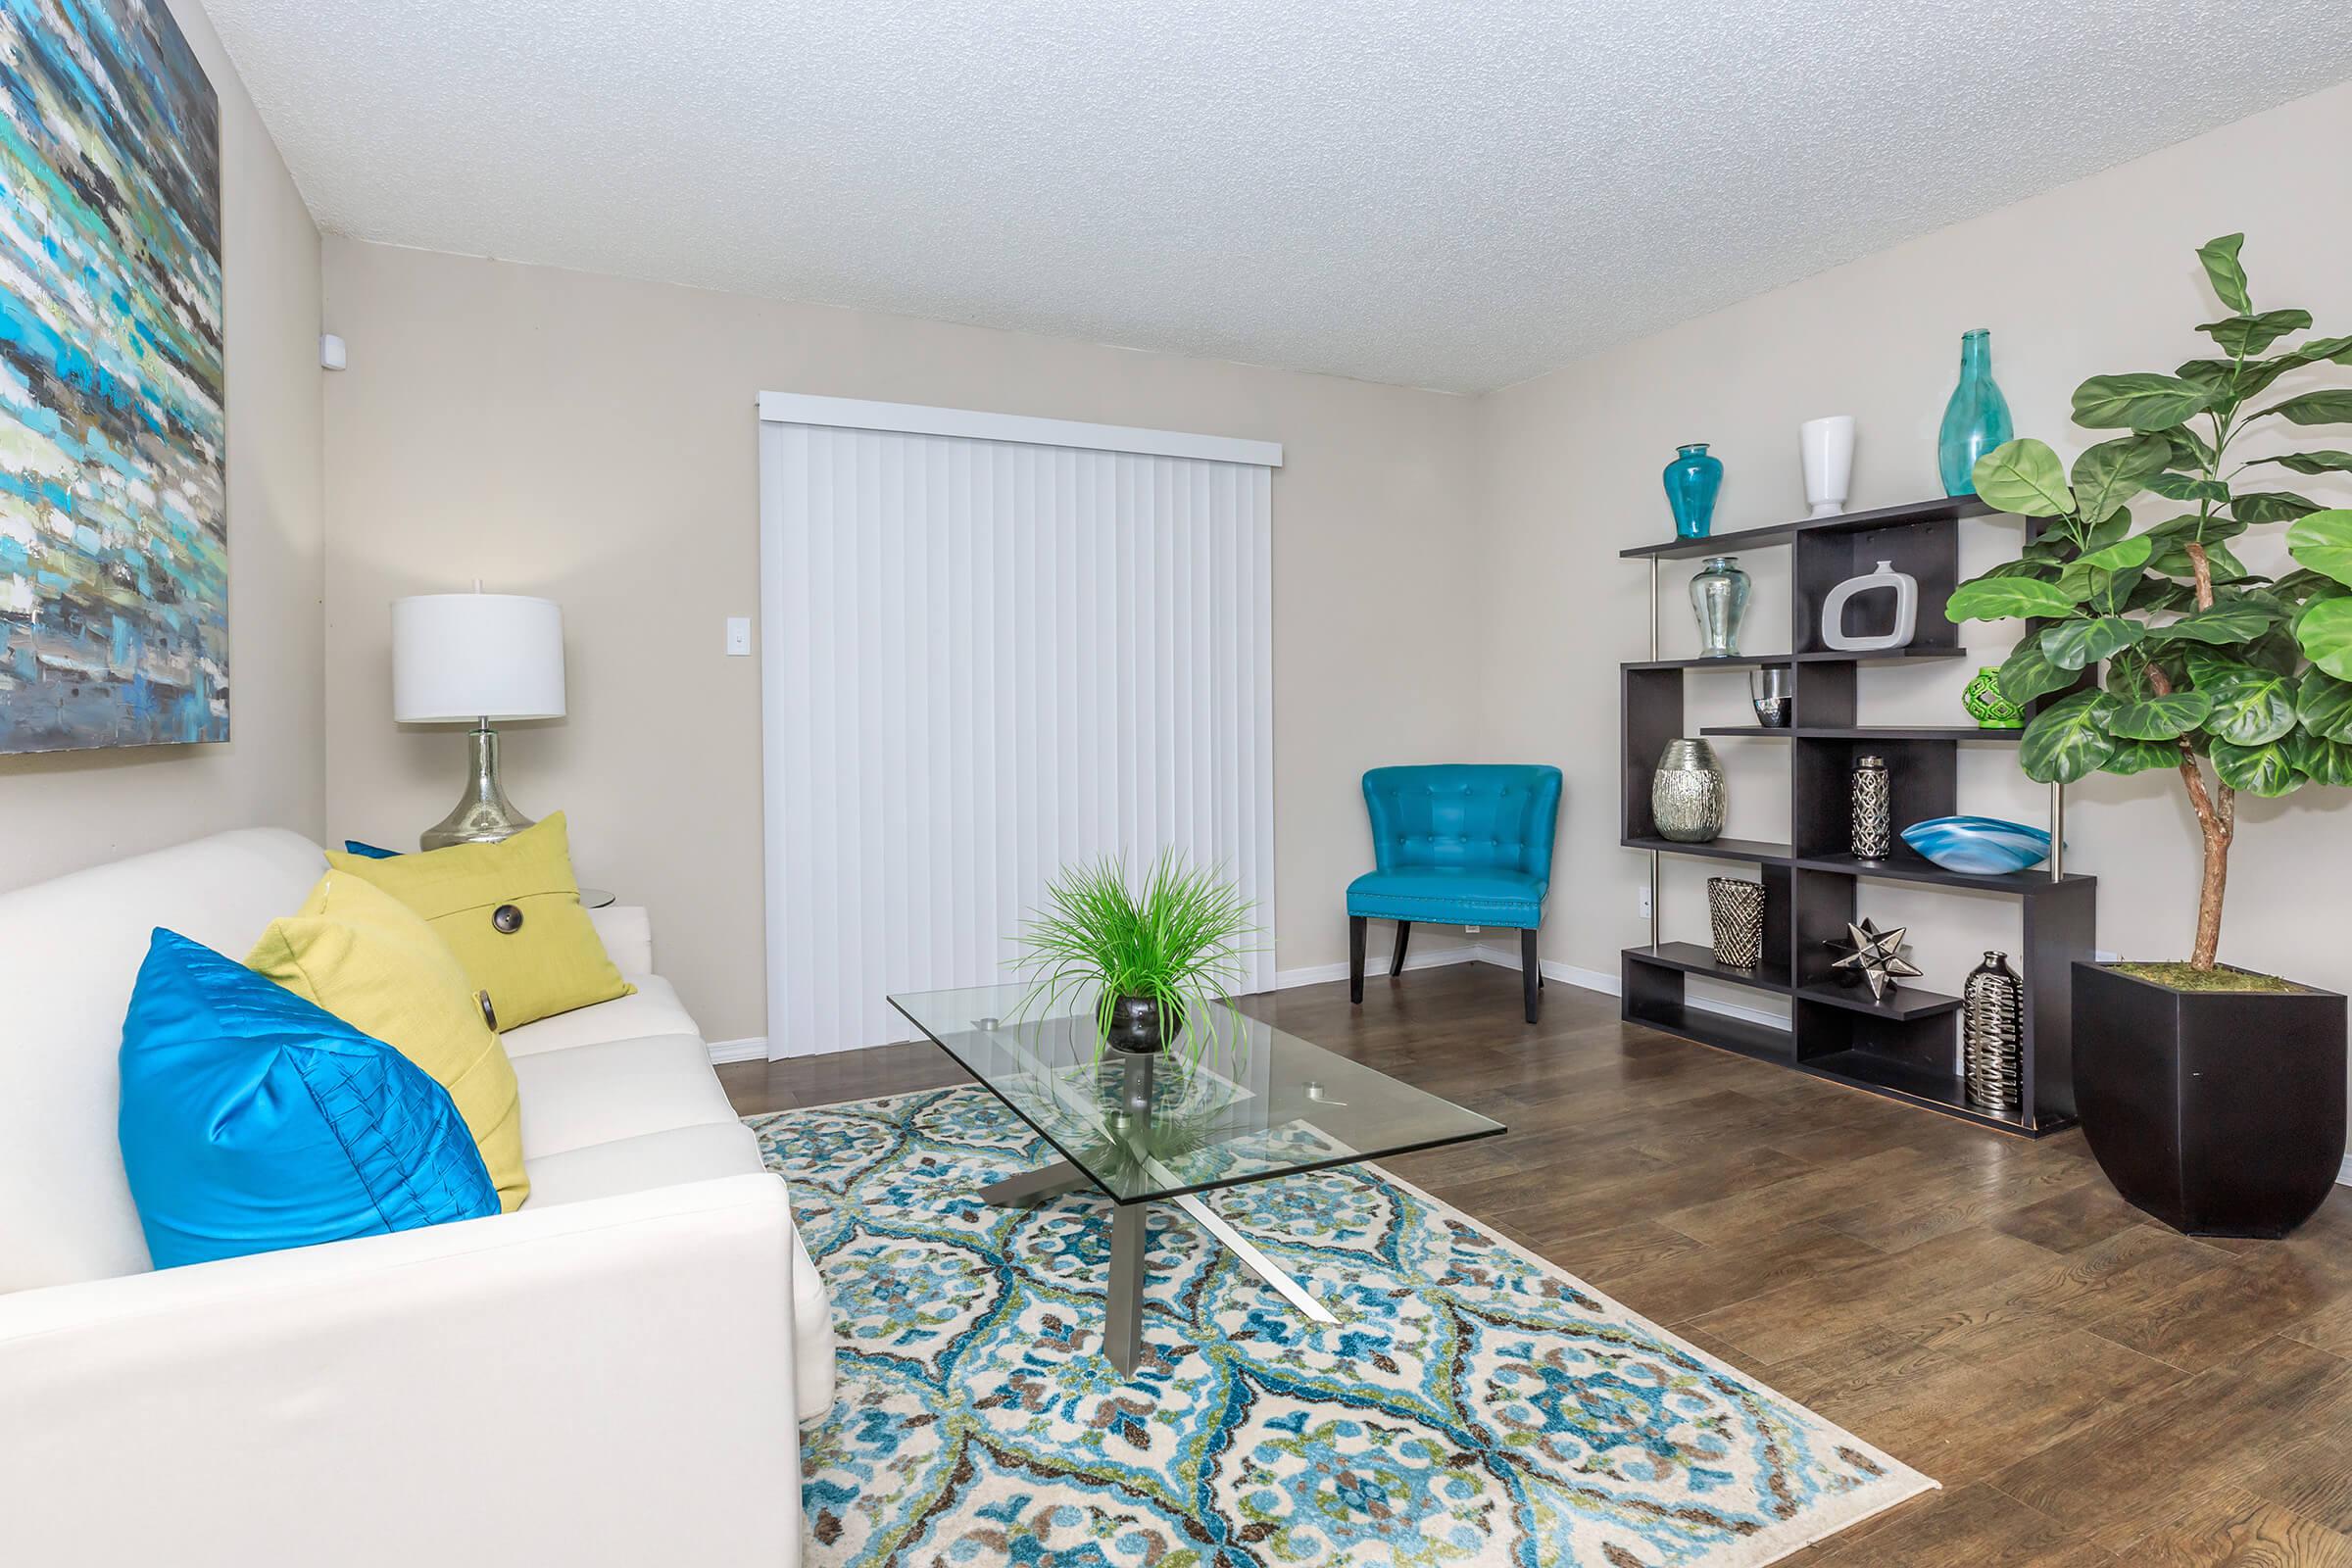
(1472, 1405)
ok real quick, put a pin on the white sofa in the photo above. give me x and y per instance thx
(610, 1375)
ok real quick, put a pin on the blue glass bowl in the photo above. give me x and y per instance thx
(1980, 846)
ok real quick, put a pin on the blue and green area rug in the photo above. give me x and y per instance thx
(1473, 1406)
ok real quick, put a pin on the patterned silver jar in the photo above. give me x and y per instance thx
(1993, 1035)
(1873, 810)
(1737, 910)
(1686, 793)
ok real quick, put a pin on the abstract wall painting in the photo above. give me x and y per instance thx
(114, 525)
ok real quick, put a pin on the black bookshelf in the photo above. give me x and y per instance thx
(1907, 1047)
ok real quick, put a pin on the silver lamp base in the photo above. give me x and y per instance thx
(483, 815)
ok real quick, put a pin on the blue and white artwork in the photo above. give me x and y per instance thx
(114, 529)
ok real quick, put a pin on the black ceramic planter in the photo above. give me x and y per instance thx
(1137, 1024)
(2221, 1114)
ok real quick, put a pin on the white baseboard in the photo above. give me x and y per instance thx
(1320, 973)
(2343, 1174)
(751, 1047)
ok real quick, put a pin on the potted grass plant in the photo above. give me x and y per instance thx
(1148, 958)
(2212, 1095)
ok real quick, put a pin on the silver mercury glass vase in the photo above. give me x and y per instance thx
(1686, 793)
(1873, 810)
(1993, 1035)
(1719, 598)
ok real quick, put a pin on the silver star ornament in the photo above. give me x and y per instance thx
(1877, 958)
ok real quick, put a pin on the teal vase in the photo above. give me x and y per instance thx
(1976, 421)
(1691, 481)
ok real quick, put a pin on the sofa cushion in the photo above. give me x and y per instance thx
(616, 1089)
(254, 1120)
(654, 1011)
(69, 950)
(1449, 895)
(668, 1158)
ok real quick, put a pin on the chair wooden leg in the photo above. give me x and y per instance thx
(1531, 975)
(1356, 925)
(1404, 929)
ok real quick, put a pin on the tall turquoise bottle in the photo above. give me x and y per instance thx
(1976, 421)
(1691, 481)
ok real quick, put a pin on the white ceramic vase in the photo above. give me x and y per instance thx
(1829, 449)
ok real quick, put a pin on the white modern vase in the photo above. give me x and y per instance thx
(1884, 579)
(1829, 449)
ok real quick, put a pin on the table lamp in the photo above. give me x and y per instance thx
(472, 659)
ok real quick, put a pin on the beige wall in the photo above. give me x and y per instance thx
(595, 440)
(68, 810)
(2098, 277)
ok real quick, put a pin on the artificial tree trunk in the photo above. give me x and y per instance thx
(2215, 808)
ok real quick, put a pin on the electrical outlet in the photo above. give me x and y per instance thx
(2103, 955)
(1472, 930)
(739, 636)
(1641, 901)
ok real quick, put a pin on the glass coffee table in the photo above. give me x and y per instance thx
(1143, 1129)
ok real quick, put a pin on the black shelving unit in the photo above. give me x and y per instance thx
(1907, 1046)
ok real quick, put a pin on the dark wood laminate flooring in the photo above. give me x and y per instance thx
(2088, 1386)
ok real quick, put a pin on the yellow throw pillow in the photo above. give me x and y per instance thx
(510, 912)
(369, 959)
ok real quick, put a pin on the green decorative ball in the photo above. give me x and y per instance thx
(1985, 704)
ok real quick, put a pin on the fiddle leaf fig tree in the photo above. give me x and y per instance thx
(2161, 647)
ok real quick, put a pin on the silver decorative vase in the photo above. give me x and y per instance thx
(1873, 810)
(483, 815)
(1736, 907)
(1993, 1035)
(1719, 598)
(1686, 793)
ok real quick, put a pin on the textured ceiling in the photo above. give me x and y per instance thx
(1447, 195)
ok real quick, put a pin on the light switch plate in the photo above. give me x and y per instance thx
(739, 635)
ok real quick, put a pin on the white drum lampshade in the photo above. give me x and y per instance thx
(458, 658)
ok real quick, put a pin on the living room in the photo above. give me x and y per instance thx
(1231, 785)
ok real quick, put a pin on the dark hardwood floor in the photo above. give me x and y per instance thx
(2088, 1386)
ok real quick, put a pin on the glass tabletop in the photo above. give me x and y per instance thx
(1248, 1104)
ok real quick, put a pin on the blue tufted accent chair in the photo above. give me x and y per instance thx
(1458, 844)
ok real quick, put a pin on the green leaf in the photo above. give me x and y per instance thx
(2322, 541)
(2232, 621)
(2139, 757)
(2269, 505)
(2161, 594)
(2211, 671)
(2001, 598)
(2325, 633)
(2321, 760)
(2068, 740)
(2245, 336)
(2112, 472)
(2227, 273)
(2304, 583)
(2073, 644)
(2206, 529)
(2046, 572)
(2024, 477)
(2142, 401)
(2262, 770)
(2120, 556)
(2339, 349)
(2330, 406)
(2251, 711)
(2187, 487)
(2028, 673)
(2159, 718)
(2314, 461)
(2190, 449)
(2323, 704)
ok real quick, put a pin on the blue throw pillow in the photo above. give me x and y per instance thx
(354, 847)
(254, 1120)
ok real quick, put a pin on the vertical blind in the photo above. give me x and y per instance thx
(986, 659)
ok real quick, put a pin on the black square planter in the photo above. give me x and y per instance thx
(2221, 1114)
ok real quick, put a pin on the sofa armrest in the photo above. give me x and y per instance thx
(608, 1382)
(627, 932)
